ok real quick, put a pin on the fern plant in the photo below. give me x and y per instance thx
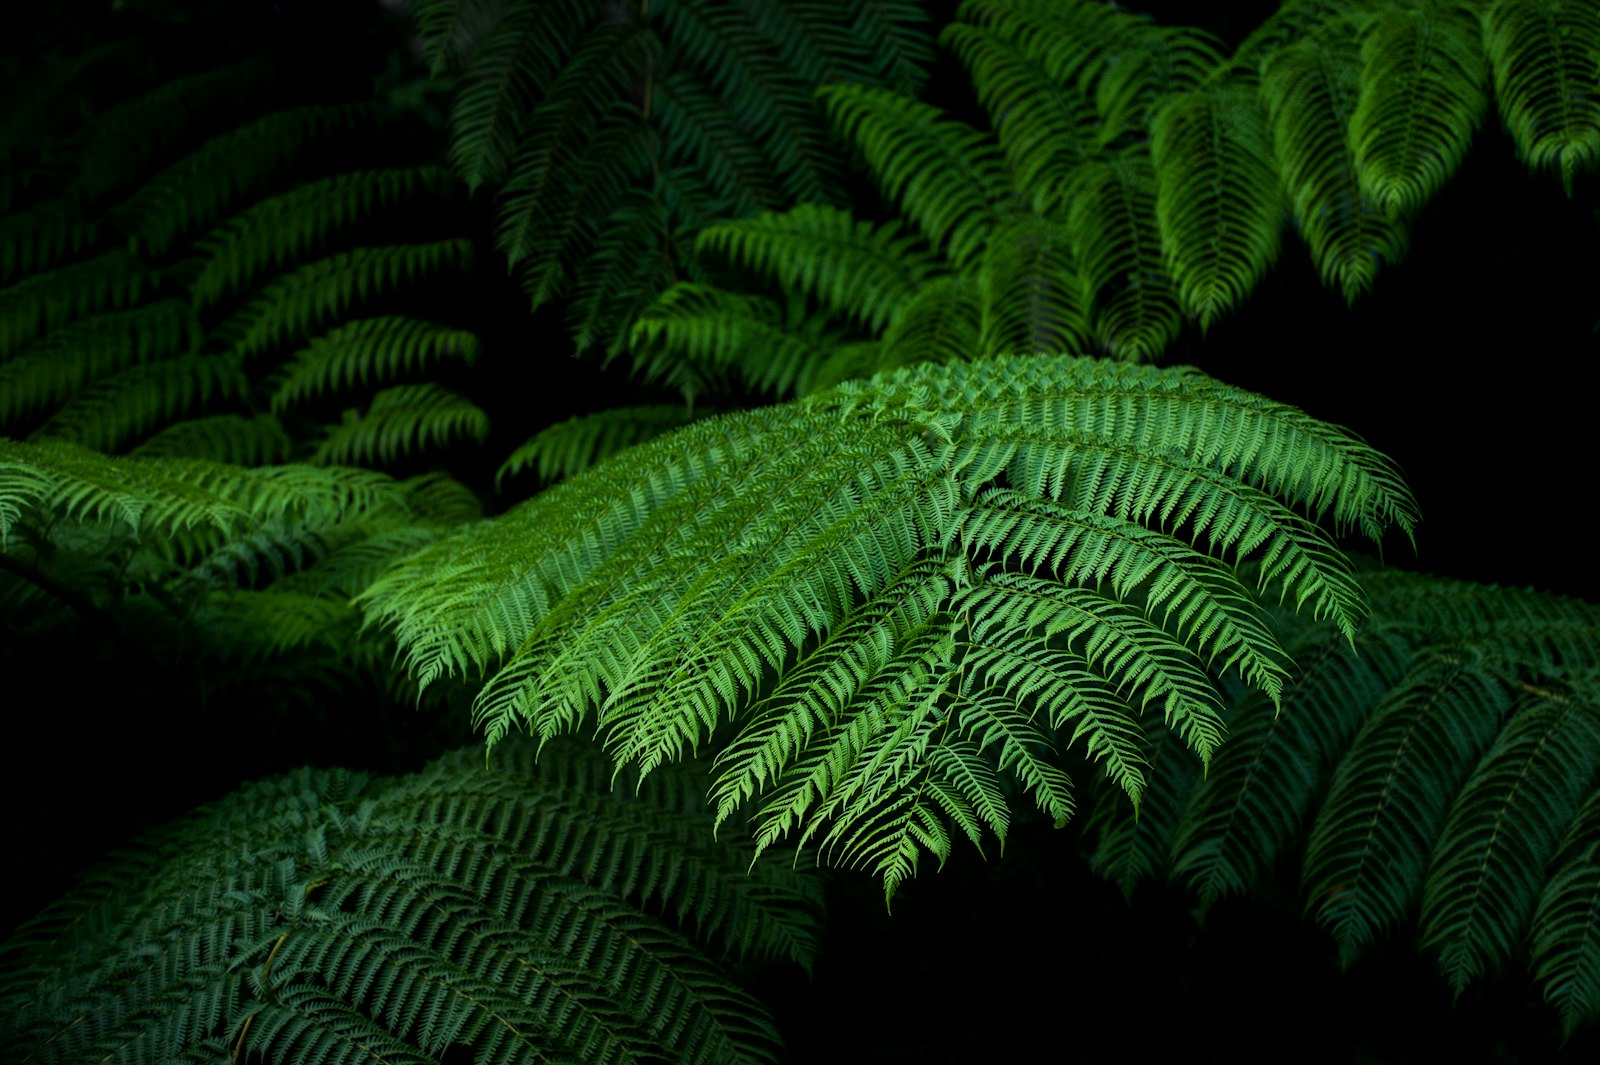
(611, 133)
(879, 602)
(529, 913)
(170, 269)
(1132, 175)
(1443, 768)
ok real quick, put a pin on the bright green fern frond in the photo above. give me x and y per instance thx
(855, 269)
(943, 174)
(1217, 197)
(298, 302)
(1043, 543)
(1546, 60)
(367, 351)
(1112, 209)
(525, 913)
(401, 420)
(578, 443)
(1423, 83)
(1312, 92)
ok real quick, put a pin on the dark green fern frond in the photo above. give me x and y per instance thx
(1031, 291)
(845, 580)
(231, 438)
(367, 351)
(1546, 60)
(1312, 92)
(942, 173)
(399, 421)
(942, 323)
(108, 282)
(526, 912)
(1218, 203)
(1113, 211)
(612, 135)
(1442, 769)
(121, 406)
(1423, 84)
(578, 443)
(855, 269)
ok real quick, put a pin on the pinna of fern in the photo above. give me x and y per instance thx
(883, 600)
(530, 913)
(1441, 770)
(174, 249)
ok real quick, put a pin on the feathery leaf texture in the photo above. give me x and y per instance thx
(149, 291)
(613, 133)
(888, 585)
(1545, 55)
(524, 912)
(1443, 769)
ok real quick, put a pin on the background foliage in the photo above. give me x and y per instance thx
(1344, 207)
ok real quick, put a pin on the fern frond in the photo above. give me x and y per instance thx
(1031, 290)
(943, 174)
(36, 239)
(398, 421)
(1566, 926)
(122, 406)
(108, 282)
(766, 568)
(307, 297)
(273, 232)
(941, 323)
(231, 438)
(1312, 92)
(578, 443)
(1546, 60)
(855, 269)
(1423, 83)
(1218, 204)
(367, 351)
(1113, 212)
(530, 913)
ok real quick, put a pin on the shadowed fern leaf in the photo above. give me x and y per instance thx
(896, 591)
(521, 913)
(1546, 60)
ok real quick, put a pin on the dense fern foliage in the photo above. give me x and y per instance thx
(612, 132)
(189, 270)
(885, 600)
(516, 914)
(1443, 768)
(1132, 175)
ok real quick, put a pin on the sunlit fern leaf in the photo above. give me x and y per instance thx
(1492, 858)
(367, 351)
(1112, 208)
(1218, 203)
(857, 270)
(65, 360)
(107, 282)
(274, 232)
(232, 438)
(844, 580)
(578, 443)
(525, 912)
(1030, 290)
(1546, 60)
(1045, 125)
(195, 191)
(1311, 90)
(1566, 926)
(121, 407)
(297, 302)
(399, 421)
(944, 174)
(1423, 83)
(942, 322)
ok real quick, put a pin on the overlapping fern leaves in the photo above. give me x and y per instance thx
(612, 133)
(1134, 175)
(168, 256)
(881, 602)
(515, 914)
(1447, 764)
